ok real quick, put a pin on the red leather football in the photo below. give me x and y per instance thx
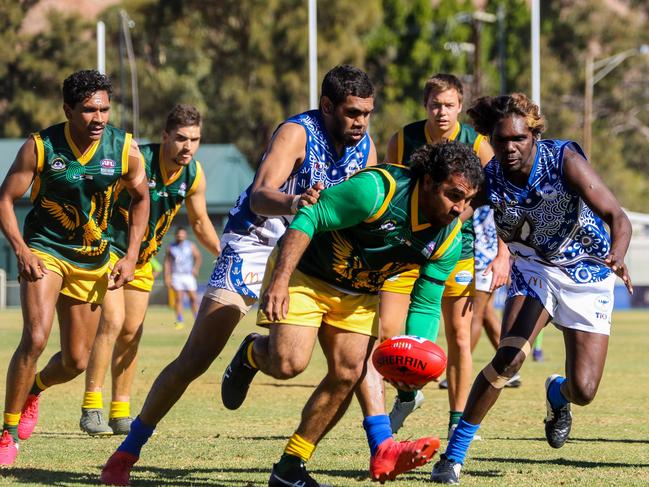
(409, 359)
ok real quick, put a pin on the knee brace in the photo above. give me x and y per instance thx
(514, 344)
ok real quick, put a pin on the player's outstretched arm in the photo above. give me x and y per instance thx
(16, 183)
(135, 183)
(581, 177)
(199, 219)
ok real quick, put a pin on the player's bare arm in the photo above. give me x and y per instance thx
(581, 177)
(285, 153)
(274, 302)
(200, 220)
(135, 183)
(485, 152)
(16, 183)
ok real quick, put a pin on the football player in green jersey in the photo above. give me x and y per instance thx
(63, 253)
(174, 177)
(443, 95)
(331, 265)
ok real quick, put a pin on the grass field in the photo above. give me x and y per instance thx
(201, 443)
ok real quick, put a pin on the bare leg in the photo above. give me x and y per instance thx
(458, 312)
(110, 325)
(485, 316)
(38, 301)
(124, 359)
(523, 317)
(491, 322)
(212, 329)
(285, 351)
(585, 359)
(346, 356)
(193, 302)
(178, 304)
(78, 322)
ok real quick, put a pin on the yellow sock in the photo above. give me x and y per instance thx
(11, 419)
(120, 409)
(93, 400)
(251, 359)
(39, 382)
(299, 447)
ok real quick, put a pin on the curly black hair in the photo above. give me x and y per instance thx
(80, 85)
(487, 111)
(346, 80)
(443, 159)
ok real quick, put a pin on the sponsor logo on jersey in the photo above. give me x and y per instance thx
(428, 250)
(107, 167)
(464, 277)
(389, 225)
(57, 164)
(602, 303)
(548, 192)
(182, 191)
(152, 183)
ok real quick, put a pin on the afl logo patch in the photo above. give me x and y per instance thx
(182, 191)
(464, 277)
(107, 167)
(57, 164)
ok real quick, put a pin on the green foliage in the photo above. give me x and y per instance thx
(244, 64)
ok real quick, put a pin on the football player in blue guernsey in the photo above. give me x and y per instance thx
(550, 207)
(308, 152)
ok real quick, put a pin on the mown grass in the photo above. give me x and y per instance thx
(202, 443)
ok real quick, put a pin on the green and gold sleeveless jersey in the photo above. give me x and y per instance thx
(167, 192)
(414, 135)
(395, 239)
(73, 194)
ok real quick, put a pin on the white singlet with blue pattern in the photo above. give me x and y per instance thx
(546, 221)
(486, 237)
(249, 238)
(182, 257)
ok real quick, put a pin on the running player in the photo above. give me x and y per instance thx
(442, 99)
(181, 266)
(174, 177)
(63, 254)
(308, 152)
(550, 207)
(324, 287)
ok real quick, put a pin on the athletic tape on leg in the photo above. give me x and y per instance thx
(496, 380)
(516, 342)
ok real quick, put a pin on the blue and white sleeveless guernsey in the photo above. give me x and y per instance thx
(248, 238)
(546, 221)
(486, 237)
(182, 257)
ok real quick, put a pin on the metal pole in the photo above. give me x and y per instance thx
(313, 55)
(588, 102)
(127, 24)
(536, 52)
(477, 39)
(502, 48)
(101, 47)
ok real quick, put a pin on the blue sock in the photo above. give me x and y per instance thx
(136, 438)
(377, 429)
(557, 400)
(179, 318)
(459, 443)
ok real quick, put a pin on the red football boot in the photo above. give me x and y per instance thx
(117, 470)
(28, 417)
(393, 458)
(8, 450)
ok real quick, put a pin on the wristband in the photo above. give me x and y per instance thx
(294, 203)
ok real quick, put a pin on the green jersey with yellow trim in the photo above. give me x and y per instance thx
(414, 135)
(167, 192)
(395, 238)
(72, 194)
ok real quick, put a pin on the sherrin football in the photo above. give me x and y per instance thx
(409, 359)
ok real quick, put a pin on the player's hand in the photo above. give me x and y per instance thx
(122, 273)
(274, 302)
(617, 265)
(499, 267)
(30, 266)
(402, 386)
(310, 196)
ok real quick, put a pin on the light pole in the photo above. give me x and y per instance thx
(595, 71)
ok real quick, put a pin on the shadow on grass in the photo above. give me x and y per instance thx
(570, 440)
(562, 462)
